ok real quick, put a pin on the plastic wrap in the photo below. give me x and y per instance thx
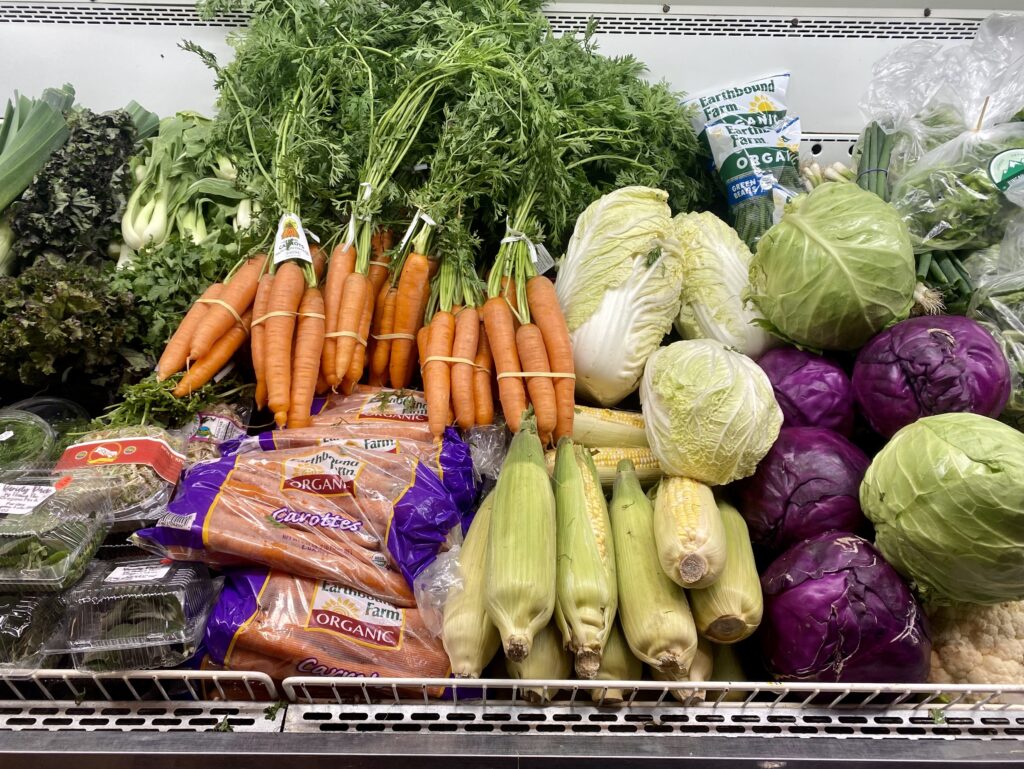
(928, 94)
(26, 441)
(369, 520)
(394, 413)
(67, 418)
(140, 464)
(49, 529)
(29, 625)
(138, 614)
(284, 626)
(213, 428)
(998, 304)
(449, 459)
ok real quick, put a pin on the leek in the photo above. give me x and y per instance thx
(31, 131)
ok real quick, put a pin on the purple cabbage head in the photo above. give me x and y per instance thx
(811, 391)
(926, 366)
(808, 483)
(834, 610)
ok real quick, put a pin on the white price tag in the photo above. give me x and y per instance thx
(123, 574)
(290, 242)
(16, 499)
(6, 436)
(544, 260)
(176, 521)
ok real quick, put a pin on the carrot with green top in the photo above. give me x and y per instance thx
(258, 337)
(437, 381)
(235, 298)
(546, 312)
(206, 368)
(285, 296)
(410, 305)
(309, 339)
(342, 262)
(465, 346)
(175, 354)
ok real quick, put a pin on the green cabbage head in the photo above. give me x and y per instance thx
(946, 496)
(709, 411)
(837, 269)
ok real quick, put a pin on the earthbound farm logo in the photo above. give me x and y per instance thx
(325, 473)
(385, 445)
(356, 616)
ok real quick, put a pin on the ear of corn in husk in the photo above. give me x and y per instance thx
(520, 584)
(689, 532)
(586, 590)
(548, 660)
(700, 670)
(653, 610)
(607, 458)
(470, 638)
(617, 664)
(730, 609)
(607, 427)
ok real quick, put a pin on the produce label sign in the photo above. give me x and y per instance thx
(325, 473)
(17, 499)
(153, 452)
(385, 445)
(1007, 170)
(355, 616)
(149, 573)
(394, 407)
(291, 242)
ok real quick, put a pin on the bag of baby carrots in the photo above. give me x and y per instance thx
(450, 458)
(369, 520)
(395, 413)
(284, 626)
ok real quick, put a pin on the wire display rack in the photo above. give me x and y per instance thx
(169, 718)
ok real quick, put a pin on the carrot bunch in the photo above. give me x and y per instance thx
(529, 340)
(287, 338)
(454, 353)
(214, 328)
(351, 300)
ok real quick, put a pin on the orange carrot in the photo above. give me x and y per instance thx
(374, 350)
(350, 315)
(437, 381)
(238, 294)
(546, 312)
(466, 344)
(422, 337)
(410, 304)
(205, 369)
(343, 261)
(530, 343)
(285, 296)
(309, 339)
(355, 369)
(175, 354)
(380, 244)
(502, 338)
(319, 260)
(258, 339)
(483, 395)
(321, 384)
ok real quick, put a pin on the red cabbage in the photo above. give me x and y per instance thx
(811, 391)
(926, 366)
(808, 483)
(834, 610)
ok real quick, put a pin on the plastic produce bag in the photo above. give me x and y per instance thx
(998, 304)
(285, 626)
(962, 194)
(370, 520)
(927, 94)
(214, 427)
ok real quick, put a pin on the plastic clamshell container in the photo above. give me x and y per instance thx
(50, 527)
(65, 417)
(138, 614)
(30, 625)
(141, 493)
(26, 441)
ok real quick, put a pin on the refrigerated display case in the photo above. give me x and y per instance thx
(54, 717)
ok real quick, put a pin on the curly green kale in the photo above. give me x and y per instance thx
(60, 319)
(73, 206)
